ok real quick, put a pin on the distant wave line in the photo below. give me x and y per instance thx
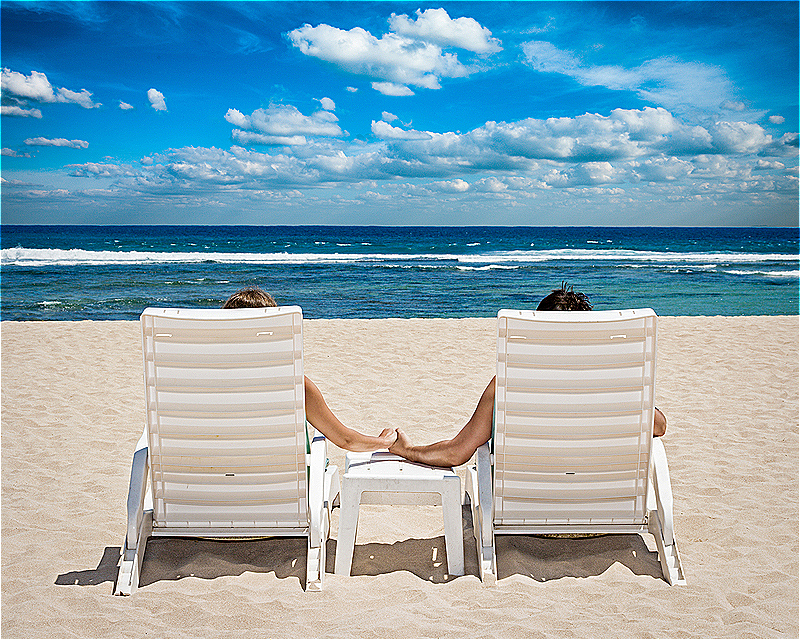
(21, 256)
(631, 255)
(766, 274)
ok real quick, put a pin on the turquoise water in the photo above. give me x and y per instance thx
(112, 273)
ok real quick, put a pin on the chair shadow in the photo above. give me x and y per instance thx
(538, 557)
(545, 558)
(550, 558)
(106, 571)
(542, 558)
(176, 558)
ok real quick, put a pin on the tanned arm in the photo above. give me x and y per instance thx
(320, 415)
(456, 451)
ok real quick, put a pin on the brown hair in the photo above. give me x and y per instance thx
(250, 297)
(565, 299)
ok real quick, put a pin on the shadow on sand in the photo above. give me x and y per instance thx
(538, 557)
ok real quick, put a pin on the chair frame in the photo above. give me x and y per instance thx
(656, 516)
(322, 485)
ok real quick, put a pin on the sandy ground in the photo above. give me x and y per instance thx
(72, 410)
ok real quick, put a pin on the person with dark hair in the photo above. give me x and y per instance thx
(565, 299)
(459, 449)
(318, 413)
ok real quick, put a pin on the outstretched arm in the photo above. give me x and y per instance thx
(319, 414)
(456, 451)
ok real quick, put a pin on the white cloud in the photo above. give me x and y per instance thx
(34, 87)
(19, 112)
(125, 106)
(157, 100)
(237, 118)
(328, 104)
(83, 98)
(769, 165)
(393, 61)
(392, 89)
(666, 81)
(385, 131)
(351, 89)
(777, 119)
(491, 185)
(100, 170)
(739, 137)
(716, 167)
(450, 186)
(662, 169)
(283, 122)
(733, 105)
(625, 152)
(589, 137)
(648, 145)
(436, 26)
(586, 174)
(12, 153)
(547, 58)
(37, 87)
(56, 142)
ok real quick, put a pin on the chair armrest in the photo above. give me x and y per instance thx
(483, 465)
(662, 488)
(137, 490)
(316, 485)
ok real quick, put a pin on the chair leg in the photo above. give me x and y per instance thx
(486, 562)
(453, 531)
(132, 558)
(332, 489)
(315, 563)
(660, 522)
(348, 525)
(667, 553)
(486, 553)
(128, 578)
(481, 480)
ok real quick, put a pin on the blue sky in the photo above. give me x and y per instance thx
(496, 113)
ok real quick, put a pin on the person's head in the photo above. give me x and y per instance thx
(250, 297)
(565, 299)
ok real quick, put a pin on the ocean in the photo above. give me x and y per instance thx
(114, 272)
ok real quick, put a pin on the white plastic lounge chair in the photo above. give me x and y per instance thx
(573, 448)
(225, 451)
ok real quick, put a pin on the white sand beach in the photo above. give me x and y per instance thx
(73, 409)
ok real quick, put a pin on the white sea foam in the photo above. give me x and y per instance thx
(489, 267)
(627, 255)
(21, 256)
(779, 275)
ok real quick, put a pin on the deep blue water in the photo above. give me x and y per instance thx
(112, 272)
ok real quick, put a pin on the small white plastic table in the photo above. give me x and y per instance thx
(381, 477)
